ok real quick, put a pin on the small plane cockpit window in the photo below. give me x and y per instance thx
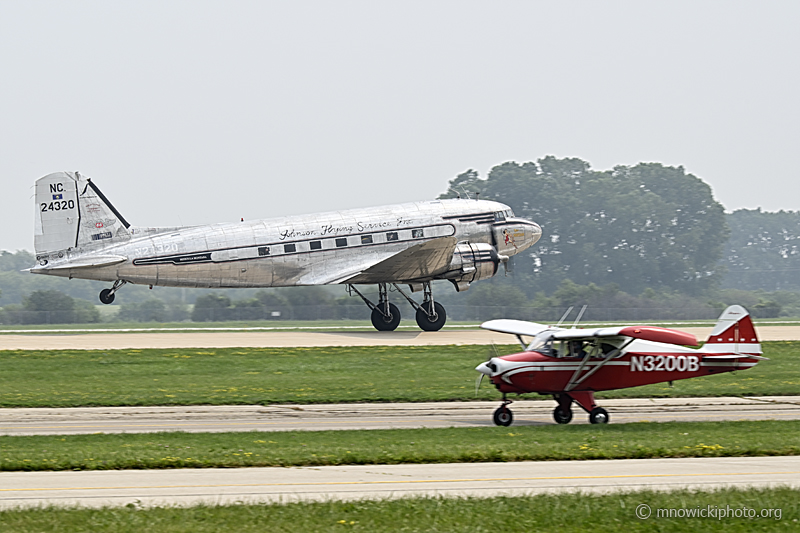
(366, 239)
(315, 245)
(341, 242)
(509, 213)
(289, 248)
(391, 236)
(417, 233)
(500, 216)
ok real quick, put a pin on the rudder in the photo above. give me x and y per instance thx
(734, 333)
(72, 213)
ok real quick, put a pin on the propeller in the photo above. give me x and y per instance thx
(493, 353)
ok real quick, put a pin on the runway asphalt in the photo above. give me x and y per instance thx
(257, 339)
(219, 486)
(46, 421)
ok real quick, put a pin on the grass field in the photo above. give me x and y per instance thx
(452, 445)
(541, 513)
(71, 378)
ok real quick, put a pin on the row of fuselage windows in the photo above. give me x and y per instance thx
(339, 242)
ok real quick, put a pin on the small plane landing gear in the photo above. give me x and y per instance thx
(503, 415)
(599, 416)
(562, 416)
(107, 295)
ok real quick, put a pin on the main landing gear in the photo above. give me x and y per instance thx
(562, 414)
(107, 295)
(430, 316)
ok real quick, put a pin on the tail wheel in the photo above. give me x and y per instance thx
(431, 316)
(503, 416)
(383, 322)
(599, 416)
(562, 416)
(106, 296)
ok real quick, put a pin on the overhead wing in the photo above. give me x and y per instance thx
(515, 327)
(419, 262)
(648, 333)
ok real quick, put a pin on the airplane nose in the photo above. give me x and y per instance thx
(488, 368)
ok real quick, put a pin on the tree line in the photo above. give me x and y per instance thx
(633, 237)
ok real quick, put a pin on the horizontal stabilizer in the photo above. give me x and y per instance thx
(85, 262)
(734, 357)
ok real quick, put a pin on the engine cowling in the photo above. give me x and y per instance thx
(473, 262)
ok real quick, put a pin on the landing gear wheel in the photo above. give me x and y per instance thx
(599, 416)
(503, 416)
(106, 296)
(425, 321)
(383, 322)
(562, 416)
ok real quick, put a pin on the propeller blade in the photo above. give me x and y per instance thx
(478, 383)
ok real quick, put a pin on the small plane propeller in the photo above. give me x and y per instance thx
(493, 353)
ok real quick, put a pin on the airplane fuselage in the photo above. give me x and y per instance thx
(644, 363)
(296, 250)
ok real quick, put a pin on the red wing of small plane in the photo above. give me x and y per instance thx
(573, 364)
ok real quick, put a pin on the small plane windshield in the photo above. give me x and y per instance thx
(542, 343)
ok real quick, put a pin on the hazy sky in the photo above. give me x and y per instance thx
(198, 112)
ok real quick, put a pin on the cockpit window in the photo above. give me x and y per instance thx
(509, 213)
(500, 216)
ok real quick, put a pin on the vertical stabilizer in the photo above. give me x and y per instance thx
(734, 333)
(72, 214)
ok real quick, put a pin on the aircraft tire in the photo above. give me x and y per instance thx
(424, 321)
(599, 416)
(106, 296)
(503, 416)
(561, 416)
(381, 322)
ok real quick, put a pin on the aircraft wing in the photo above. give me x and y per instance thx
(648, 333)
(515, 327)
(419, 262)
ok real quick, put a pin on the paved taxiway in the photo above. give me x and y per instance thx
(258, 339)
(217, 486)
(45, 421)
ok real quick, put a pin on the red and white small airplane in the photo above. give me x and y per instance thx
(573, 364)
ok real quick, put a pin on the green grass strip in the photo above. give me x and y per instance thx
(75, 378)
(541, 513)
(396, 446)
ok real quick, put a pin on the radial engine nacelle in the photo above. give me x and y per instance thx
(473, 262)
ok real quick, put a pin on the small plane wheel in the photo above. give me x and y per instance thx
(428, 323)
(561, 416)
(106, 296)
(503, 416)
(599, 416)
(384, 323)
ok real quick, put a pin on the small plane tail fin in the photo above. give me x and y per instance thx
(72, 214)
(734, 333)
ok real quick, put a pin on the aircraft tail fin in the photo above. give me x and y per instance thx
(734, 333)
(72, 214)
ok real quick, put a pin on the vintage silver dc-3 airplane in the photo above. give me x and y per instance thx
(79, 234)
